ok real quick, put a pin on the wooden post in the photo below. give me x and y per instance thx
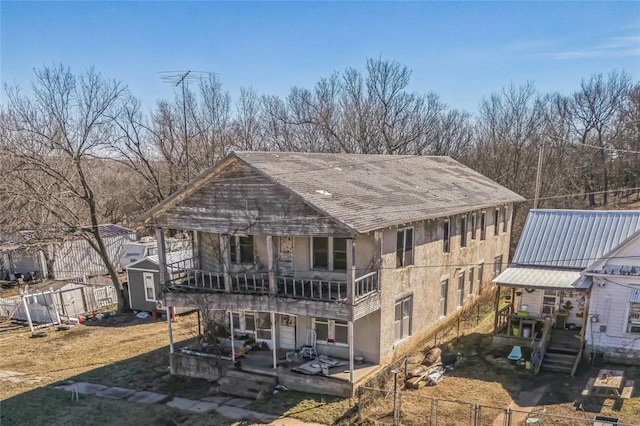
(497, 305)
(273, 339)
(350, 340)
(168, 310)
(233, 349)
(271, 264)
(195, 244)
(162, 257)
(351, 271)
(226, 261)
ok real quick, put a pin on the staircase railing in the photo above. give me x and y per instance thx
(577, 361)
(540, 347)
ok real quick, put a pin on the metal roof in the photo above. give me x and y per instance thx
(110, 230)
(541, 278)
(573, 238)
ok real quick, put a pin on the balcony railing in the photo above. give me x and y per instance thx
(186, 279)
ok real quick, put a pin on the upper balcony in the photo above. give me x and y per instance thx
(242, 288)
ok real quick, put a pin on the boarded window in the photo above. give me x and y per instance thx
(404, 247)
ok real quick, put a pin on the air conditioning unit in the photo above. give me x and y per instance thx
(159, 305)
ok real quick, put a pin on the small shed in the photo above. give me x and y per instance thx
(143, 279)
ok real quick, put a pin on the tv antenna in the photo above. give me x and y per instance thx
(182, 78)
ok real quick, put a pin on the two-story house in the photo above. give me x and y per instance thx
(370, 251)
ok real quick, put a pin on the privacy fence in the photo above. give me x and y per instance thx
(47, 307)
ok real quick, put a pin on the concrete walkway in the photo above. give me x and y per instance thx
(229, 407)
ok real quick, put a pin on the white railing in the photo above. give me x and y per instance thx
(312, 289)
(366, 284)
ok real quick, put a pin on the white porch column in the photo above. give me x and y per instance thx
(162, 257)
(271, 264)
(168, 309)
(350, 341)
(226, 261)
(233, 349)
(273, 339)
(351, 271)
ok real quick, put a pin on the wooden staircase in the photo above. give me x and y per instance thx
(246, 384)
(563, 352)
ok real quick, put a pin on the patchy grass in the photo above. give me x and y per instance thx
(53, 407)
(306, 407)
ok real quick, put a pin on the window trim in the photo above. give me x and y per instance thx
(444, 297)
(402, 263)
(460, 293)
(634, 322)
(235, 246)
(331, 331)
(153, 286)
(401, 302)
(330, 255)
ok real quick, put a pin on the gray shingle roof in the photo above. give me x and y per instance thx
(369, 192)
(573, 238)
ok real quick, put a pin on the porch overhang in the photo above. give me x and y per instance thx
(540, 278)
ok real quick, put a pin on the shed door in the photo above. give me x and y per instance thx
(287, 332)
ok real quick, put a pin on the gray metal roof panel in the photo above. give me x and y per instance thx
(524, 277)
(369, 192)
(573, 238)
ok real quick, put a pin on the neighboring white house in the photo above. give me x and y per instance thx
(590, 259)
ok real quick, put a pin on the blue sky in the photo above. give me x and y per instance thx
(460, 50)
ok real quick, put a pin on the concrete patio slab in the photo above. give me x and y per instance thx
(144, 397)
(85, 388)
(182, 403)
(238, 402)
(116, 393)
(203, 407)
(236, 413)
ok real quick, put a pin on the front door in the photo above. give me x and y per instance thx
(287, 332)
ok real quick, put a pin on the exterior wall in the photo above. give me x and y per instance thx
(75, 258)
(607, 321)
(136, 290)
(431, 265)
(534, 302)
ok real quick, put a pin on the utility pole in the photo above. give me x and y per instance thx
(538, 176)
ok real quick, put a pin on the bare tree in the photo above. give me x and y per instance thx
(53, 140)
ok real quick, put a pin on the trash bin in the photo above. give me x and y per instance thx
(526, 332)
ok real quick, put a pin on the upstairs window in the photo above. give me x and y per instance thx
(496, 222)
(241, 249)
(504, 219)
(474, 225)
(463, 231)
(483, 226)
(329, 253)
(447, 236)
(404, 248)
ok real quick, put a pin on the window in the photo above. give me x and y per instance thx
(473, 225)
(463, 231)
(483, 225)
(331, 331)
(149, 287)
(329, 253)
(496, 222)
(471, 272)
(497, 266)
(461, 288)
(245, 322)
(549, 300)
(480, 274)
(444, 290)
(404, 248)
(447, 236)
(504, 219)
(241, 249)
(633, 326)
(263, 325)
(402, 323)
